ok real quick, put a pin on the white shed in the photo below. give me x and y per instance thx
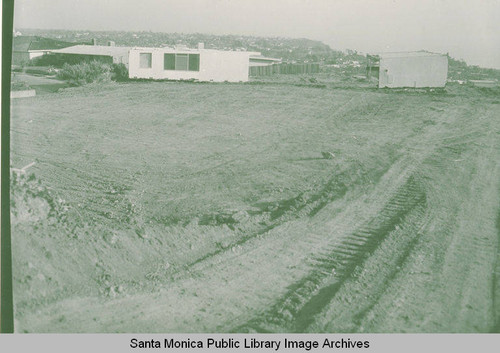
(411, 69)
(189, 64)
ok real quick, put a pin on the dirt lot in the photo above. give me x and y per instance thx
(180, 207)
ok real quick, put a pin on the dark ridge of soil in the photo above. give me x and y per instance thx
(218, 220)
(286, 210)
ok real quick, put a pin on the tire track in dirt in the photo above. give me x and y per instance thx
(306, 298)
(303, 205)
(441, 287)
(286, 210)
(399, 263)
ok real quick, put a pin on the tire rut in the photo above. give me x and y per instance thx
(400, 261)
(303, 205)
(297, 309)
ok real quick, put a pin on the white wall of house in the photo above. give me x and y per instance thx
(37, 53)
(214, 65)
(413, 71)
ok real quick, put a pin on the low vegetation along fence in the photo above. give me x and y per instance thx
(284, 69)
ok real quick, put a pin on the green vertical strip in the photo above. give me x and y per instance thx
(6, 303)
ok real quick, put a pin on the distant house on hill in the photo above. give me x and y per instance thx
(181, 63)
(109, 54)
(419, 69)
(26, 48)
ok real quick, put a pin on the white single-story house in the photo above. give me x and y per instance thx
(189, 64)
(419, 69)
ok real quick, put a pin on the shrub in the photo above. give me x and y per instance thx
(119, 72)
(39, 70)
(85, 72)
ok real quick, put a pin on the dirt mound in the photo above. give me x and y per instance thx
(31, 202)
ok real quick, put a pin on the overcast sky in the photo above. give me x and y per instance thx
(467, 29)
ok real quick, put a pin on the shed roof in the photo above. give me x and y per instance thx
(94, 50)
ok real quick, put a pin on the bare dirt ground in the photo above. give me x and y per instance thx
(177, 207)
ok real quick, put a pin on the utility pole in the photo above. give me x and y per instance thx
(6, 303)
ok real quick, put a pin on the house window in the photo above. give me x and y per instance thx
(169, 62)
(182, 62)
(145, 60)
(194, 62)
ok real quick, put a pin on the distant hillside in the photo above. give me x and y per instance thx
(288, 49)
(459, 70)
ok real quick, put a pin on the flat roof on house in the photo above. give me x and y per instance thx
(94, 50)
(259, 60)
(405, 54)
(262, 58)
(192, 50)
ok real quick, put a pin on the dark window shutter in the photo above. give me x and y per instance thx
(194, 62)
(169, 62)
